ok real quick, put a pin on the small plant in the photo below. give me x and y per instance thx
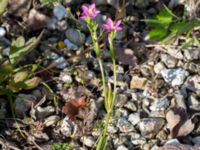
(61, 146)
(88, 14)
(49, 2)
(166, 27)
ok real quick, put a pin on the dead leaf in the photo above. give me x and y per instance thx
(19, 8)
(178, 147)
(37, 20)
(71, 108)
(178, 122)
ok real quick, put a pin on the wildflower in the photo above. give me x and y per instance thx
(112, 26)
(89, 12)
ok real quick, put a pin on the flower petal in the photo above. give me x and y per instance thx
(84, 8)
(117, 23)
(109, 21)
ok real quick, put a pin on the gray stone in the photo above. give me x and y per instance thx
(134, 118)
(66, 127)
(6, 51)
(88, 141)
(125, 126)
(122, 112)
(66, 78)
(122, 147)
(131, 106)
(121, 100)
(62, 25)
(23, 103)
(172, 142)
(50, 121)
(70, 45)
(140, 3)
(42, 113)
(159, 67)
(62, 63)
(136, 139)
(160, 104)
(192, 83)
(149, 127)
(169, 61)
(175, 77)
(2, 32)
(192, 54)
(60, 12)
(75, 36)
(196, 140)
(194, 102)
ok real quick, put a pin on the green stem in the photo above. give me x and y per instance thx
(115, 83)
(103, 78)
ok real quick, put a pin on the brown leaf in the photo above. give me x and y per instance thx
(37, 20)
(72, 107)
(178, 122)
(178, 147)
(19, 8)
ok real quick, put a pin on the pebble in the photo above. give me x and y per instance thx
(138, 83)
(66, 127)
(2, 32)
(194, 102)
(52, 120)
(122, 112)
(88, 141)
(70, 45)
(134, 118)
(62, 25)
(175, 77)
(140, 3)
(159, 67)
(23, 103)
(130, 106)
(160, 104)
(192, 54)
(75, 36)
(122, 147)
(196, 140)
(60, 12)
(125, 126)
(172, 142)
(149, 127)
(66, 78)
(6, 51)
(62, 63)
(136, 139)
(168, 60)
(192, 83)
(121, 100)
(42, 113)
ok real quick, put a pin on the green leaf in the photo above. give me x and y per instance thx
(3, 5)
(19, 48)
(155, 23)
(165, 15)
(186, 44)
(101, 145)
(5, 70)
(157, 34)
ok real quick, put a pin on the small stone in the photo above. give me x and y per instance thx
(62, 63)
(134, 118)
(125, 126)
(122, 112)
(70, 45)
(75, 36)
(196, 140)
(193, 83)
(159, 67)
(131, 106)
(62, 25)
(138, 83)
(66, 127)
(169, 61)
(160, 104)
(175, 77)
(6, 51)
(66, 78)
(140, 3)
(122, 147)
(172, 142)
(194, 102)
(60, 12)
(41, 136)
(23, 103)
(121, 100)
(52, 120)
(2, 32)
(192, 54)
(88, 141)
(42, 113)
(149, 127)
(136, 139)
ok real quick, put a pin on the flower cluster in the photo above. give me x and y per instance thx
(91, 12)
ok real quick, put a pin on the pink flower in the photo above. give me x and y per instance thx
(112, 26)
(89, 12)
